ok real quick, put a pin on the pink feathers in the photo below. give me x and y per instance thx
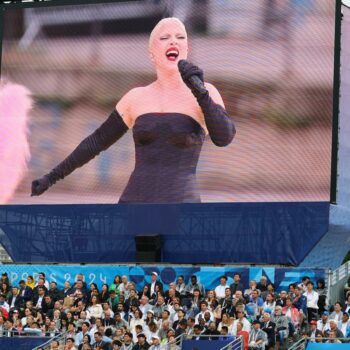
(15, 104)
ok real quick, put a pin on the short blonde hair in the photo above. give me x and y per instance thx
(160, 24)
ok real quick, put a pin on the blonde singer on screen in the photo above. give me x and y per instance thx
(169, 119)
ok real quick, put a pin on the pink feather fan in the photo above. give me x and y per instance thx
(15, 105)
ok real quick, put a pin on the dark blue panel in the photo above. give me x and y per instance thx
(21, 343)
(264, 233)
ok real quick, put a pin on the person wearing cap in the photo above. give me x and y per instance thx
(155, 343)
(313, 332)
(152, 286)
(257, 337)
(141, 343)
(323, 324)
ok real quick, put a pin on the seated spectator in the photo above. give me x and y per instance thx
(322, 292)
(226, 321)
(15, 301)
(229, 308)
(194, 284)
(52, 331)
(333, 337)
(117, 345)
(86, 343)
(269, 302)
(141, 343)
(203, 310)
(244, 334)
(333, 327)
(281, 299)
(344, 324)
(257, 337)
(300, 303)
(197, 332)
(212, 333)
(323, 324)
(25, 292)
(181, 328)
(181, 286)
(252, 287)
(172, 344)
(243, 320)
(128, 341)
(95, 308)
(136, 320)
(55, 293)
(220, 289)
(313, 332)
(84, 331)
(99, 342)
(292, 314)
(70, 344)
(3, 303)
(281, 321)
(262, 285)
(104, 294)
(337, 314)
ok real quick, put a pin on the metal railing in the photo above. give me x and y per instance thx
(237, 344)
(337, 280)
(60, 337)
(301, 344)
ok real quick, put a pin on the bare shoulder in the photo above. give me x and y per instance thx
(127, 102)
(214, 94)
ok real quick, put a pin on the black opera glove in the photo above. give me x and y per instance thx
(102, 138)
(219, 124)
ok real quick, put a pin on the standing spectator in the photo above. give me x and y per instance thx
(236, 285)
(322, 293)
(269, 328)
(300, 302)
(153, 284)
(25, 292)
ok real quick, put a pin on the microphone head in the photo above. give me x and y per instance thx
(181, 64)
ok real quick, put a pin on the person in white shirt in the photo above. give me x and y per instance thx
(337, 314)
(204, 309)
(220, 289)
(311, 301)
(323, 324)
(241, 318)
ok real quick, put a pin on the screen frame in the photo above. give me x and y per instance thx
(336, 69)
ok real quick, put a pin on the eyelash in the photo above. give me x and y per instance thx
(180, 37)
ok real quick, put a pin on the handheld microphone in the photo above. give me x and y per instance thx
(197, 83)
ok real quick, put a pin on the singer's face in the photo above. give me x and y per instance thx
(168, 45)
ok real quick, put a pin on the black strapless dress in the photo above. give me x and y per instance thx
(167, 149)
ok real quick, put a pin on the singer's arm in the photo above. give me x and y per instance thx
(219, 124)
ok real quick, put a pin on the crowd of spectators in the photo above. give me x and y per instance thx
(118, 316)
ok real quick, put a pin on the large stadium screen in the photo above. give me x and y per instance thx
(269, 62)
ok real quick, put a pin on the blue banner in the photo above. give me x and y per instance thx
(321, 346)
(205, 344)
(21, 343)
(140, 274)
